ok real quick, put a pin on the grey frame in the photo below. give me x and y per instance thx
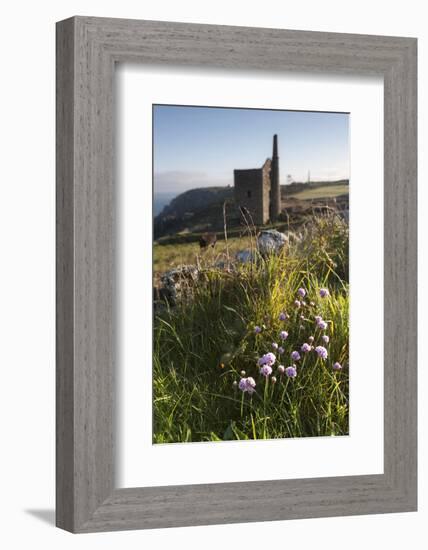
(87, 50)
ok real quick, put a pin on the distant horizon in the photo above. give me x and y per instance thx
(161, 192)
(163, 198)
(198, 147)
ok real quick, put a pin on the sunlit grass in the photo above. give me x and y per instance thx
(168, 256)
(202, 345)
(328, 191)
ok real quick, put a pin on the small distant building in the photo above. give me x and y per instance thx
(257, 190)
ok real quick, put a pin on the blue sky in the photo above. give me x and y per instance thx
(201, 146)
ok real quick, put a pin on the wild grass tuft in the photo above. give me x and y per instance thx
(202, 345)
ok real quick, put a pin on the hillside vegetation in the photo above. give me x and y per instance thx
(214, 377)
(199, 210)
(321, 192)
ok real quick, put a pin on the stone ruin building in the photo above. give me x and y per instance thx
(257, 190)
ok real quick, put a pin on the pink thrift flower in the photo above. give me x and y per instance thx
(266, 370)
(322, 352)
(267, 359)
(291, 372)
(247, 385)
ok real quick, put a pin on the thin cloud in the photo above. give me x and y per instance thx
(177, 181)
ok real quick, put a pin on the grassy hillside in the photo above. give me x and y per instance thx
(168, 256)
(327, 191)
(206, 346)
(199, 210)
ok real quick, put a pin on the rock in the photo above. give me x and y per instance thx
(244, 256)
(178, 282)
(271, 241)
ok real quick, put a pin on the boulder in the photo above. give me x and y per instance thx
(179, 281)
(244, 256)
(271, 241)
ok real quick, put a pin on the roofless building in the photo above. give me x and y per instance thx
(257, 190)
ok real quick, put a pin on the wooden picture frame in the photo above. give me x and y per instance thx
(87, 50)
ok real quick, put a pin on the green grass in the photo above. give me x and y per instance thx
(167, 256)
(202, 344)
(322, 192)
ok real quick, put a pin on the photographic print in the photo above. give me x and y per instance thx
(250, 274)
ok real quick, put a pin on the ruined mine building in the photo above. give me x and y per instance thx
(257, 190)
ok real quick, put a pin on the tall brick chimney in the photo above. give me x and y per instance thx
(275, 189)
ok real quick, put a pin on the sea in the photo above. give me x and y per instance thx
(160, 200)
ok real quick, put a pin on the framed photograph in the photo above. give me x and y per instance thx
(250, 276)
(236, 274)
